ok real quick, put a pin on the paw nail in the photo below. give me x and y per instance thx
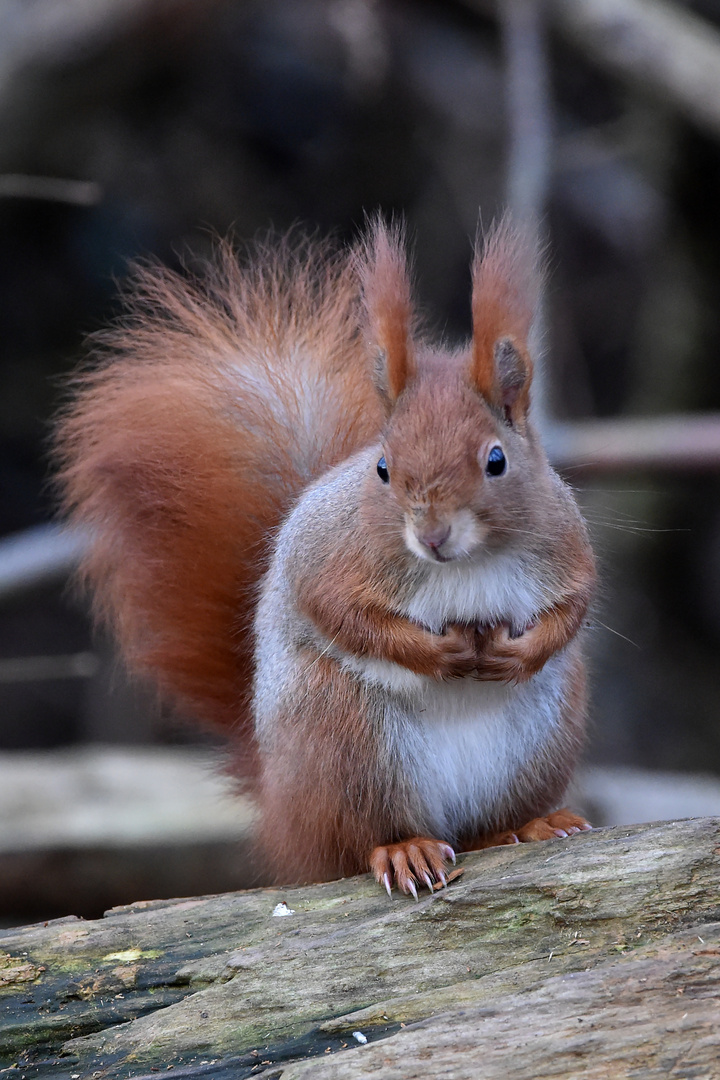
(428, 882)
(448, 853)
(412, 889)
(587, 827)
(386, 883)
(561, 833)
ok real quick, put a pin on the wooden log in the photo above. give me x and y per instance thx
(596, 956)
(90, 827)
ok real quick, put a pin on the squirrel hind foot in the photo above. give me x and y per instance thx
(560, 824)
(565, 821)
(420, 861)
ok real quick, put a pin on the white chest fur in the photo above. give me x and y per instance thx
(464, 744)
(497, 589)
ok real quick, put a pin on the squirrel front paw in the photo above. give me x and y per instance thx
(419, 861)
(504, 657)
(456, 652)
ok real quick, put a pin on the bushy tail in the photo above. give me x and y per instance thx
(209, 407)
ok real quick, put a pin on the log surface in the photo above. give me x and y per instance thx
(596, 956)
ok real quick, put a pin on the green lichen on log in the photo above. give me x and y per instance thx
(219, 984)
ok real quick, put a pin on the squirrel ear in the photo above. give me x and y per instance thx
(513, 373)
(385, 282)
(505, 289)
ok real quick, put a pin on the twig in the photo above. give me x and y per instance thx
(37, 557)
(673, 443)
(82, 665)
(656, 44)
(54, 189)
(528, 108)
(527, 90)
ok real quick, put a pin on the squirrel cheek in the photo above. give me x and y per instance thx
(413, 543)
(467, 533)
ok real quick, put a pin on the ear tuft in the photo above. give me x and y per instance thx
(504, 298)
(385, 283)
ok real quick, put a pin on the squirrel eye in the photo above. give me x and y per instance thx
(383, 470)
(496, 462)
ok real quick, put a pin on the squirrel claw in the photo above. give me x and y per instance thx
(448, 853)
(420, 859)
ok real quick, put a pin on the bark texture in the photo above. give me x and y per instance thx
(596, 956)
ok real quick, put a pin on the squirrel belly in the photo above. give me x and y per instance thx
(357, 750)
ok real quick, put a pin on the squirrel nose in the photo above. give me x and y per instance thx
(435, 538)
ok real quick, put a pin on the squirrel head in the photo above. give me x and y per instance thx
(460, 460)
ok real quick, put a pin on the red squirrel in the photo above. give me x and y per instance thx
(344, 545)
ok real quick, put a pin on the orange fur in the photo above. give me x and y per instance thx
(385, 280)
(503, 658)
(505, 289)
(327, 799)
(184, 448)
(356, 614)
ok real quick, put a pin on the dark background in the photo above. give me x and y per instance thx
(197, 118)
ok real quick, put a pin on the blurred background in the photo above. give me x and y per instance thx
(131, 128)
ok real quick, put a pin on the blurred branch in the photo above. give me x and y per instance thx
(655, 43)
(53, 31)
(56, 28)
(595, 175)
(680, 443)
(37, 557)
(527, 90)
(79, 192)
(82, 665)
(528, 108)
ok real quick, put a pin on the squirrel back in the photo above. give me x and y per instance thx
(209, 406)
